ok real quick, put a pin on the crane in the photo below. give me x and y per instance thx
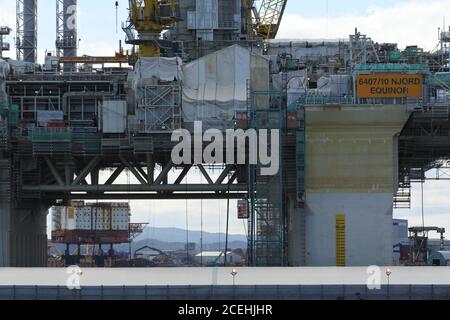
(149, 18)
(267, 17)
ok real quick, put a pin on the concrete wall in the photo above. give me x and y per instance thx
(28, 237)
(368, 228)
(350, 169)
(23, 231)
(5, 213)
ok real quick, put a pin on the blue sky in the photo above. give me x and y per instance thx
(403, 21)
(318, 8)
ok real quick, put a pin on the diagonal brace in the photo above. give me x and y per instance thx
(133, 170)
(55, 172)
(83, 174)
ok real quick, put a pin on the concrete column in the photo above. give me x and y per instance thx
(5, 212)
(350, 171)
(28, 237)
(296, 234)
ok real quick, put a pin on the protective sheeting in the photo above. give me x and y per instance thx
(311, 50)
(157, 68)
(4, 71)
(215, 86)
(277, 79)
(297, 88)
(21, 67)
(334, 85)
(151, 72)
(114, 116)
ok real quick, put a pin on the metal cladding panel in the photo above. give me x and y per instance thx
(191, 20)
(207, 14)
(215, 86)
(91, 217)
(114, 116)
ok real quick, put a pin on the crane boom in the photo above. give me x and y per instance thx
(149, 18)
(267, 18)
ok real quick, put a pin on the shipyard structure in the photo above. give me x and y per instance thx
(359, 121)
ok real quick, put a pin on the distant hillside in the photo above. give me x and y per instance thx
(174, 246)
(173, 239)
(179, 235)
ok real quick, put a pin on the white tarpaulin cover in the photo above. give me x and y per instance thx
(150, 72)
(165, 69)
(4, 70)
(20, 67)
(215, 86)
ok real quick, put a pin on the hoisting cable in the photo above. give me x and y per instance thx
(187, 224)
(228, 223)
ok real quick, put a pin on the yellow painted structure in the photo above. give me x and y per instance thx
(378, 86)
(351, 162)
(149, 22)
(351, 148)
(340, 240)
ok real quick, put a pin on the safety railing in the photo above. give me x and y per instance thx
(230, 292)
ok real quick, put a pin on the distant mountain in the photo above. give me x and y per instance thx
(176, 246)
(173, 239)
(179, 235)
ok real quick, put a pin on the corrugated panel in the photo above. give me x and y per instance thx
(114, 116)
(207, 16)
(340, 240)
(191, 20)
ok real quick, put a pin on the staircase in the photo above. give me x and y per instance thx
(402, 198)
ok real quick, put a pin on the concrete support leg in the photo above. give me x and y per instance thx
(296, 234)
(23, 227)
(5, 213)
(351, 178)
(28, 237)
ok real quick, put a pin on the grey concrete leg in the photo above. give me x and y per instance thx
(296, 235)
(23, 231)
(28, 238)
(5, 213)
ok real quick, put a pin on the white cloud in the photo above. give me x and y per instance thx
(407, 23)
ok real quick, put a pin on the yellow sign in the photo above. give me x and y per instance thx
(71, 213)
(389, 86)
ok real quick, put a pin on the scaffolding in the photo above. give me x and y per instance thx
(300, 157)
(159, 109)
(268, 234)
(4, 46)
(66, 39)
(26, 21)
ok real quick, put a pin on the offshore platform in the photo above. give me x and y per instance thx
(359, 121)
